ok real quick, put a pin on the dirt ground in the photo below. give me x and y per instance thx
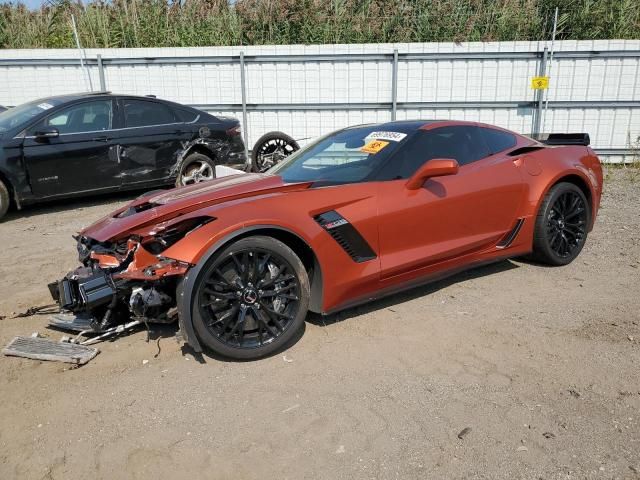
(510, 371)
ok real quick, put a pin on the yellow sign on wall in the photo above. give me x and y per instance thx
(540, 83)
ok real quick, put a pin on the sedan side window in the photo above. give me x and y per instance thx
(142, 113)
(79, 118)
(462, 143)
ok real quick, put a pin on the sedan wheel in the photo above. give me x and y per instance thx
(562, 225)
(197, 168)
(271, 149)
(4, 199)
(251, 298)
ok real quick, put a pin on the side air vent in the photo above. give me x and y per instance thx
(346, 235)
(511, 236)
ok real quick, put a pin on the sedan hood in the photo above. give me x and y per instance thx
(163, 206)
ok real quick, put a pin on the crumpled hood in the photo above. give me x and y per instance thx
(169, 204)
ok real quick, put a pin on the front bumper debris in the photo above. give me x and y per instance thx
(71, 322)
(39, 348)
(118, 288)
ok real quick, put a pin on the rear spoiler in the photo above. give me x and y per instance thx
(564, 139)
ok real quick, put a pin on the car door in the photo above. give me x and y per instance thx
(151, 140)
(78, 154)
(449, 216)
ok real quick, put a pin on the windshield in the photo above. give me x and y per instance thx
(347, 156)
(14, 117)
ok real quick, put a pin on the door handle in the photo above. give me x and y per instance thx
(101, 139)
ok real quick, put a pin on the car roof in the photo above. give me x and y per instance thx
(71, 97)
(407, 125)
(414, 125)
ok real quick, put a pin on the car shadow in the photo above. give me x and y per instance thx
(201, 357)
(327, 321)
(410, 294)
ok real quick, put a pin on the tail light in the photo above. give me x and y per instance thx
(233, 131)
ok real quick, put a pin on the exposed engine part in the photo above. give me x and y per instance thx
(148, 303)
(107, 320)
(112, 292)
(83, 293)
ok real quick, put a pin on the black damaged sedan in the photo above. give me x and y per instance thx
(89, 143)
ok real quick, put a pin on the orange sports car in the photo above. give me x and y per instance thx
(360, 213)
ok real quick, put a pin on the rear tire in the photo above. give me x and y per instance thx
(562, 225)
(196, 168)
(5, 199)
(250, 299)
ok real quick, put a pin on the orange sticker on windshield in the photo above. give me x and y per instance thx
(374, 146)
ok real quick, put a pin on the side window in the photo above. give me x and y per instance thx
(82, 117)
(141, 113)
(186, 116)
(462, 143)
(497, 140)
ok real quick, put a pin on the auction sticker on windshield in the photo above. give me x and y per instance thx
(45, 106)
(393, 136)
(374, 146)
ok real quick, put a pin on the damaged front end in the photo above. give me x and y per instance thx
(125, 280)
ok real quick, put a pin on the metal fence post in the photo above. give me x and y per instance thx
(103, 83)
(243, 90)
(394, 85)
(539, 95)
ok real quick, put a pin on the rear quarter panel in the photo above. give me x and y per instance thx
(546, 167)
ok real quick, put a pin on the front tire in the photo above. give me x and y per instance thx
(250, 299)
(561, 225)
(5, 199)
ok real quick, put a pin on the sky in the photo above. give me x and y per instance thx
(28, 3)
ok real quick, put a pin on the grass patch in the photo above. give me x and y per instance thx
(161, 23)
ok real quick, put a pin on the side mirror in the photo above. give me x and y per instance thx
(437, 167)
(45, 133)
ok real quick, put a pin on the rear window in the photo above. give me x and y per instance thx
(186, 116)
(142, 113)
(497, 140)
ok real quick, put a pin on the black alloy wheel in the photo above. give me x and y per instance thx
(271, 149)
(251, 298)
(562, 225)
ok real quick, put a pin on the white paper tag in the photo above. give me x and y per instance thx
(393, 136)
(45, 106)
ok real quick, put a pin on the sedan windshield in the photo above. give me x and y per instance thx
(14, 117)
(346, 156)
